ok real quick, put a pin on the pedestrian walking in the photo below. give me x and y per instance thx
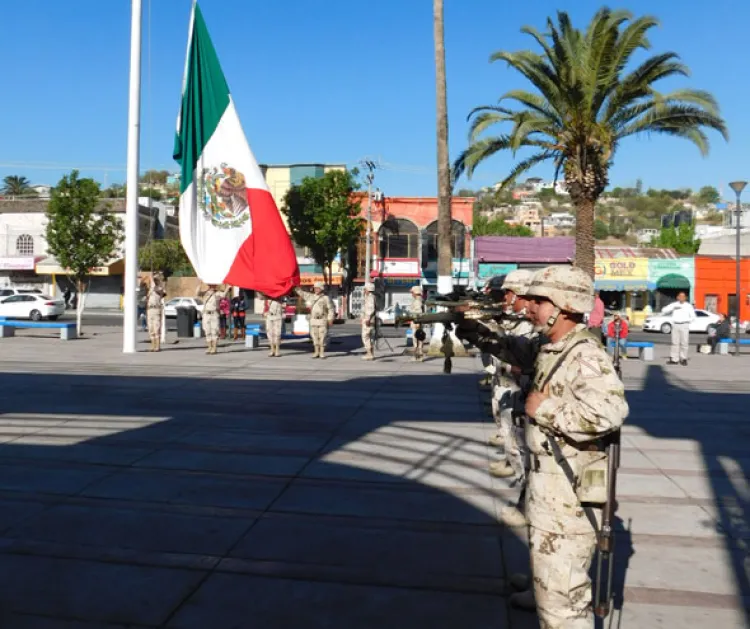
(238, 315)
(321, 316)
(154, 310)
(368, 320)
(273, 312)
(683, 314)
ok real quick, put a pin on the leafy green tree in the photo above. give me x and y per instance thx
(155, 177)
(166, 256)
(465, 192)
(80, 234)
(484, 226)
(16, 186)
(584, 105)
(547, 194)
(151, 193)
(682, 239)
(323, 216)
(601, 231)
(708, 195)
(115, 191)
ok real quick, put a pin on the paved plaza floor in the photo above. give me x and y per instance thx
(187, 491)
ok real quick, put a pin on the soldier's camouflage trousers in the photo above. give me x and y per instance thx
(154, 323)
(211, 326)
(367, 333)
(562, 587)
(319, 334)
(273, 331)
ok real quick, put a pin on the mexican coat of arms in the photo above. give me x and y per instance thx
(222, 196)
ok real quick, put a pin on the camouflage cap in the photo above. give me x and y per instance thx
(416, 289)
(369, 286)
(571, 289)
(319, 285)
(518, 281)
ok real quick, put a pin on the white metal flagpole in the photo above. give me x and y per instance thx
(131, 204)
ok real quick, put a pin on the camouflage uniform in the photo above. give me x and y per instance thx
(274, 316)
(368, 321)
(416, 307)
(155, 309)
(585, 401)
(211, 298)
(321, 317)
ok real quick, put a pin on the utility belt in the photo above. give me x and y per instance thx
(210, 312)
(153, 307)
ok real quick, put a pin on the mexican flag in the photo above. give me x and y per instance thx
(230, 226)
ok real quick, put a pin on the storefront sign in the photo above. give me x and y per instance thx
(116, 268)
(486, 270)
(684, 267)
(14, 263)
(461, 267)
(308, 279)
(622, 274)
(394, 266)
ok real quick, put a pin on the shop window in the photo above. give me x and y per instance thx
(399, 238)
(732, 305)
(429, 242)
(25, 245)
(711, 303)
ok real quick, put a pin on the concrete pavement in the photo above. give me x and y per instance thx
(189, 491)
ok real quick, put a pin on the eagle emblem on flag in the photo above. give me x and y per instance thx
(223, 196)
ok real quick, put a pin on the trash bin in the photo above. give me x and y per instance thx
(186, 318)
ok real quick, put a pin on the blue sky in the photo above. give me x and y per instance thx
(332, 82)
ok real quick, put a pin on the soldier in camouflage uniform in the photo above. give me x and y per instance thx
(321, 317)
(211, 297)
(154, 310)
(274, 316)
(508, 383)
(578, 401)
(416, 307)
(368, 320)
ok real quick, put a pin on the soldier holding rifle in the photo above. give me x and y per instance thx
(575, 409)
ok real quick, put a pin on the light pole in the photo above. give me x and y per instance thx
(370, 165)
(738, 187)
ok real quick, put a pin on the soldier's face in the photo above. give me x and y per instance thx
(540, 310)
(508, 298)
(520, 304)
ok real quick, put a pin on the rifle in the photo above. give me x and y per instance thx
(605, 541)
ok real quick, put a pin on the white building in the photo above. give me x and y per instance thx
(25, 263)
(561, 220)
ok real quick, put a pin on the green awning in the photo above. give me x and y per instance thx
(673, 281)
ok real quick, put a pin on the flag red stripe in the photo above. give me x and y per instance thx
(271, 266)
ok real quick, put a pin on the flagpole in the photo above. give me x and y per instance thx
(131, 204)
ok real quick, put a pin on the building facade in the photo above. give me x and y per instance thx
(498, 255)
(716, 285)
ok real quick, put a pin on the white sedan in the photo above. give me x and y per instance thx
(31, 306)
(170, 308)
(658, 322)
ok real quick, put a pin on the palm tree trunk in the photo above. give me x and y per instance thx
(445, 282)
(585, 236)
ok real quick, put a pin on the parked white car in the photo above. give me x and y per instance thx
(390, 314)
(31, 306)
(7, 292)
(658, 322)
(170, 308)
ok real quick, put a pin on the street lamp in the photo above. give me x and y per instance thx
(738, 187)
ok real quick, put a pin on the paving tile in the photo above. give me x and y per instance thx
(639, 616)
(93, 591)
(228, 601)
(188, 488)
(372, 549)
(29, 478)
(225, 462)
(132, 528)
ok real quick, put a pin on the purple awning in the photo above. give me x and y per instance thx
(559, 250)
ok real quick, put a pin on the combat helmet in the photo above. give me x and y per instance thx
(569, 288)
(518, 281)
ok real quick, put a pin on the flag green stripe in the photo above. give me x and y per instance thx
(204, 101)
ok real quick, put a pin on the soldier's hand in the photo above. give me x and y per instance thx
(533, 401)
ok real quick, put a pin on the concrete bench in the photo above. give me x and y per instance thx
(68, 331)
(643, 349)
(724, 344)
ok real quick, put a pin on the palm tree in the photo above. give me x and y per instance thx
(584, 104)
(444, 170)
(15, 186)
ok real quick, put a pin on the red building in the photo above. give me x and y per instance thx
(716, 285)
(404, 244)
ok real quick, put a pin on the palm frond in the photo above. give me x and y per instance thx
(535, 102)
(523, 166)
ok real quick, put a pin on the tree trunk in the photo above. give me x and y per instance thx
(585, 236)
(445, 281)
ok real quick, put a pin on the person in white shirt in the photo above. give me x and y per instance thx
(682, 315)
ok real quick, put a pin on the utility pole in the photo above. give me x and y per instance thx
(130, 302)
(370, 177)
